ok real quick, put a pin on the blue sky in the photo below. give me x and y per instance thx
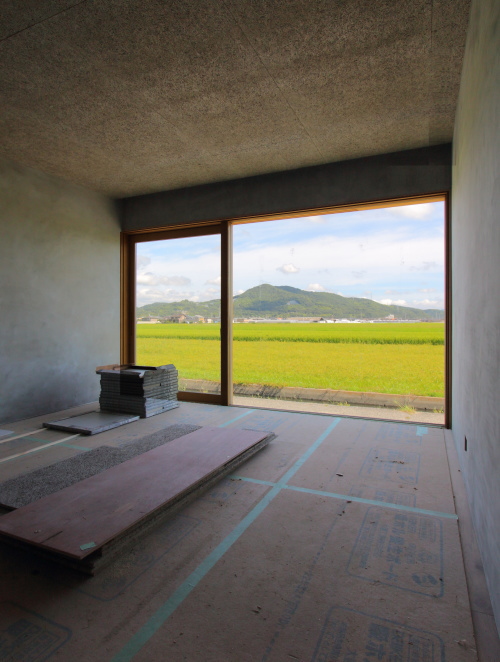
(393, 255)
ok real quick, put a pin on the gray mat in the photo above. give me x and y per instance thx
(21, 491)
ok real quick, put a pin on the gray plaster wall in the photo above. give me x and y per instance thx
(399, 174)
(476, 283)
(59, 294)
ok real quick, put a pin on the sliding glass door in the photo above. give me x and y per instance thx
(343, 309)
(177, 306)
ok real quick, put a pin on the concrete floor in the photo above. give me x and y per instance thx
(339, 542)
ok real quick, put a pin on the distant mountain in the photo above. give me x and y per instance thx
(159, 309)
(271, 302)
(285, 301)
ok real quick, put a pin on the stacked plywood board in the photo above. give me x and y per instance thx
(140, 390)
(87, 523)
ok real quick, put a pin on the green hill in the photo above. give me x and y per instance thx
(271, 302)
(159, 309)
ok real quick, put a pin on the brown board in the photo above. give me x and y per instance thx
(80, 519)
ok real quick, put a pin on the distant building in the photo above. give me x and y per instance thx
(148, 320)
(176, 319)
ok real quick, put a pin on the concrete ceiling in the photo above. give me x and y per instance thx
(135, 96)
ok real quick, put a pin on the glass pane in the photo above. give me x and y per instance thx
(178, 309)
(342, 308)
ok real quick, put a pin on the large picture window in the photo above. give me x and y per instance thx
(348, 302)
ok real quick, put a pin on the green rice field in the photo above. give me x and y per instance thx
(386, 358)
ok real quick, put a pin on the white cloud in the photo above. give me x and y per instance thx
(143, 261)
(387, 257)
(413, 211)
(288, 269)
(147, 279)
(146, 295)
(317, 219)
(425, 266)
(393, 302)
(426, 302)
(150, 278)
(238, 292)
(315, 287)
(399, 261)
(178, 269)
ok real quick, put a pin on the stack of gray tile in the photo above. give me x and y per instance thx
(141, 390)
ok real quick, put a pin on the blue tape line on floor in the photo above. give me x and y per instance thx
(31, 452)
(421, 430)
(233, 420)
(141, 638)
(39, 441)
(345, 497)
(76, 448)
(48, 441)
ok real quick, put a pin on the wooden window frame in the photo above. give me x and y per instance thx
(130, 239)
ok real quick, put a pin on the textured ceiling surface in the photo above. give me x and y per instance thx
(135, 96)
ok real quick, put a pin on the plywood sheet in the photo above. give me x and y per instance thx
(80, 519)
